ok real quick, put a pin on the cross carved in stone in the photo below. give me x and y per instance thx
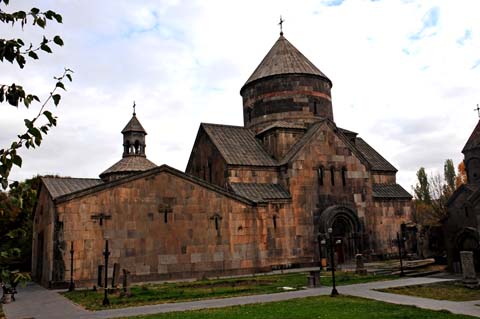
(101, 217)
(165, 210)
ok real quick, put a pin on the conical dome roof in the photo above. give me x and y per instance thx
(284, 58)
(134, 125)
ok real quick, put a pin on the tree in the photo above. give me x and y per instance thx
(422, 189)
(450, 177)
(462, 175)
(16, 50)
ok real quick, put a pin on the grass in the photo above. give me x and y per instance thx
(209, 289)
(451, 290)
(341, 307)
(2, 315)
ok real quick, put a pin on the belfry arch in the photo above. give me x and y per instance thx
(346, 229)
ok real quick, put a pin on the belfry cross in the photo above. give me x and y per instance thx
(134, 108)
(478, 110)
(281, 25)
(101, 217)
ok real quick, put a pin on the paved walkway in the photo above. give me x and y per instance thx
(36, 302)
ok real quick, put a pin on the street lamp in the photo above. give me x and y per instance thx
(71, 286)
(106, 253)
(399, 243)
(332, 263)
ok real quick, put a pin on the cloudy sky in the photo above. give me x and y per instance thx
(405, 74)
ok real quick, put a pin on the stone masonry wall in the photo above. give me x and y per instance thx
(287, 97)
(187, 245)
(43, 225)
(310, 198)
(206, 162)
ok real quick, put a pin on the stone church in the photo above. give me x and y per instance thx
(252, 198)
(462, 224)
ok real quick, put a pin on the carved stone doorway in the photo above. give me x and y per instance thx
(346, 230)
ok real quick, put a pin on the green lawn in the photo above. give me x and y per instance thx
(208, 289)
(2, 315)
(452, 290)
(342, 307)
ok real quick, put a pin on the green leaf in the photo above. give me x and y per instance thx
(60, 85)
(46, 48)
(17, 160)
(50, 117)
(56, 98)
(58, 40)
(33, 55)
(69, 77)
(41, 22)
(35, 132)
(28, 123)
(35, 10)
(58, 17)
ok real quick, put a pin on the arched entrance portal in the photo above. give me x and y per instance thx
(346, 230)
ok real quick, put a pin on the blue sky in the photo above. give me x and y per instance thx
(405, 75)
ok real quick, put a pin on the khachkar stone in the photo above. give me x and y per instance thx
(468, 269)
(116, 275)
(360, 267)
(126, 283)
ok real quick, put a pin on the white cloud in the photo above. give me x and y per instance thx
(184, 62)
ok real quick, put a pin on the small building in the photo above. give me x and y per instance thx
(253, 198)
(462, 223)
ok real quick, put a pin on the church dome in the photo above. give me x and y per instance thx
(284, 58)
(288, 87)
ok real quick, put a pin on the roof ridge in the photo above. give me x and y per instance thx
(224, 125)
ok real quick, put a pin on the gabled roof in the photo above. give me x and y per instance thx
(158, 169)
(260, 192)
(377, 161)
(129, 164)
(284, 58)
(134, 126)
(390, 191)
(59, 186)
(474, 140)
(238, 145)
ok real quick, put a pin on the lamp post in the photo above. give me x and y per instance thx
(399, 243)
(71, 286)
(332, 262)
(106, 253)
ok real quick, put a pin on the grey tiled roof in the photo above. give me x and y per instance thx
(474, 140)
(390, 191)
(58, 186)
(129, 164)
(134, 126)
(282, 124)
(260, 192)
(284, 58)
(238, 145)
(377, 161)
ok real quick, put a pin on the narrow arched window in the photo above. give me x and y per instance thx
(332, 175)
(320, 173)
(315, 108)
(137, 147)
(344, 176)
(274, 221)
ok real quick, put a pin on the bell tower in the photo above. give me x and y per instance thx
(134, 137)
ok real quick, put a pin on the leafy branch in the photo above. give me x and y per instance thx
(34, 134)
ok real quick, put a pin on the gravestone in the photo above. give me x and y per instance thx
(116, 275)
(126, 283)
(468, 269)
(360, 267)
(100, 276)
(313, 280)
